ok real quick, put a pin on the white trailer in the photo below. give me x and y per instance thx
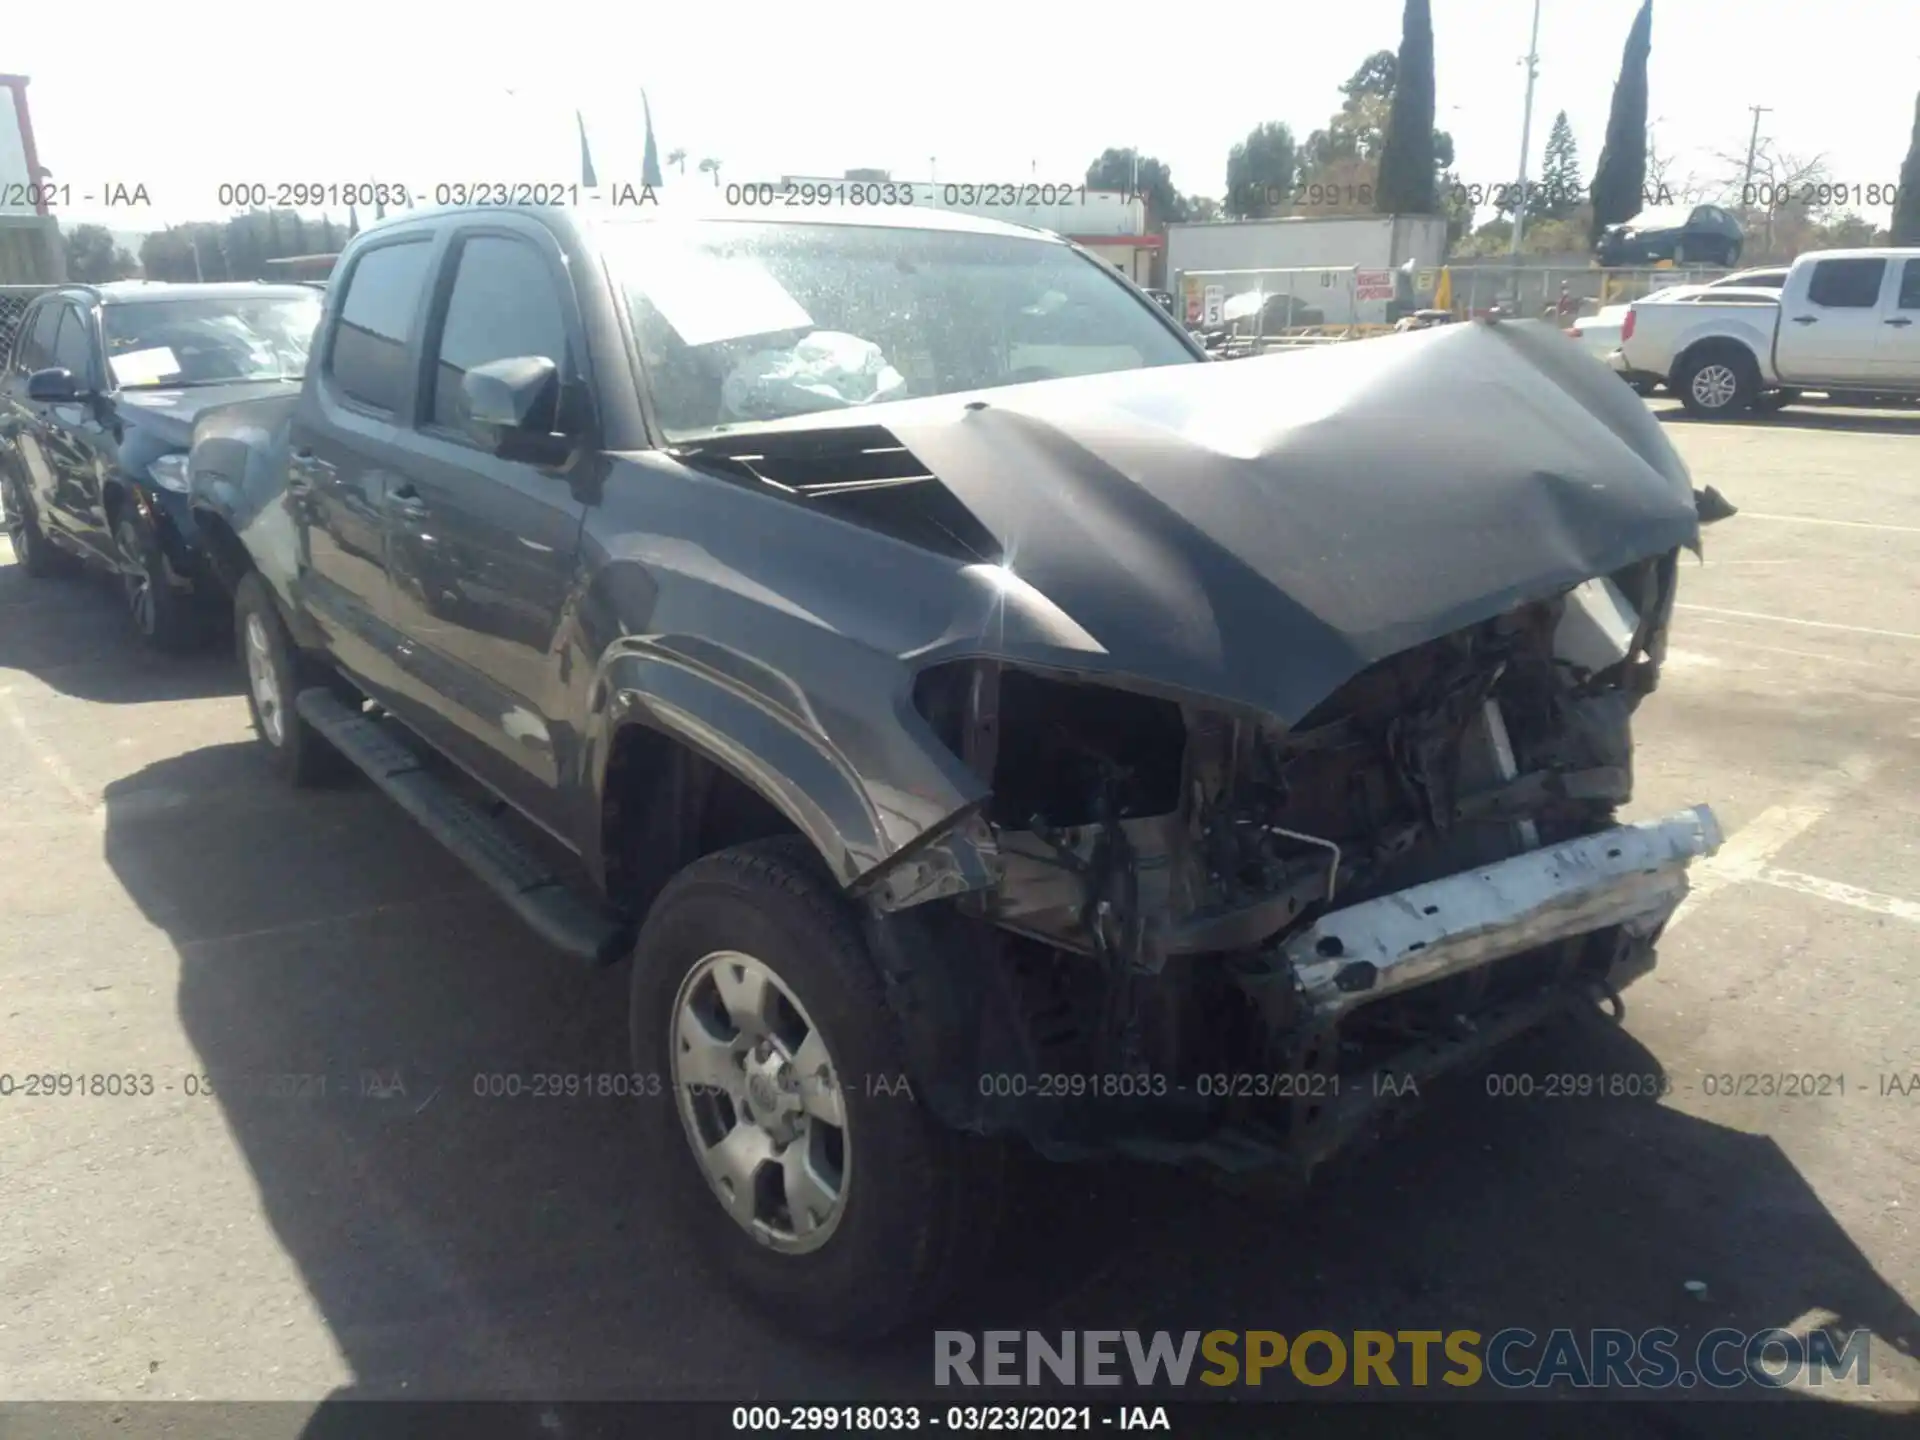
(1370, 247)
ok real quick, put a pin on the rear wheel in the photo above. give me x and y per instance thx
(162, 616)
(788, 1137)
(1717, 383)
(31, 547)
(275, 675)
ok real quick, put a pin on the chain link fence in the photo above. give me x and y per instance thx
(1562, 292)
(14, 300)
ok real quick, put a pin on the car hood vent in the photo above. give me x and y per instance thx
(862, 474)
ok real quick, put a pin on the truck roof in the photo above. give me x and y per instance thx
(591, 217)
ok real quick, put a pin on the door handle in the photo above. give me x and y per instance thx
(1898, 320)
(1806, 319)
(406, 502)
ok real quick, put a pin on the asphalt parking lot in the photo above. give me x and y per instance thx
(169, 912)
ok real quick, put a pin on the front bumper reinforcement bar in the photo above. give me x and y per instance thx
(1632, 875)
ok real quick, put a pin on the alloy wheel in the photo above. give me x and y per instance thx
(136, 580)
(1714, 386)
(264, 681)
(760, 1099)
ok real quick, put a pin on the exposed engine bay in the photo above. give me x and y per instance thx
(1226, 929)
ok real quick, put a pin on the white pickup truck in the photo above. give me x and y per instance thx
(1845, 321)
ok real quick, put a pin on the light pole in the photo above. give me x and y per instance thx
(1532, 62)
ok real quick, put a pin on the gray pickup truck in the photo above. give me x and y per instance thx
(976, 718)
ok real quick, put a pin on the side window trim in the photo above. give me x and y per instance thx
(435, 243)
(576, 369)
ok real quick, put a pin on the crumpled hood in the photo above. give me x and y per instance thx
(171, 412)
(1261, 530)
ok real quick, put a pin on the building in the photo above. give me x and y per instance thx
(30, 249)
(1110, 224)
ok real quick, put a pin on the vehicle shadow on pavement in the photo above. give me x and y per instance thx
(72, 632)
(351, 994)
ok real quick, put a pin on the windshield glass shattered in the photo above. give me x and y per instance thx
(158, 344)
(741, 323)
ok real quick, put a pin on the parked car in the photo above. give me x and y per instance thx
(1844, 320)
(96, 414)
(1765, 277)
(1684, 234)
(978, 719)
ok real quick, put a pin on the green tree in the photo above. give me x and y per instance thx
(1204, 208)
(1116, 170)
(1407, 161)
(1906, 213)
(1260, 171)
(92, 256)
(1622, 173)
(1561, 190)
(1344, 159)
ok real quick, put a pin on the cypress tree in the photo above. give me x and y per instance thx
(1406, 185)
(1906, 213)
(1621, 176)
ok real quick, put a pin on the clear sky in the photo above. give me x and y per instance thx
(184, 98)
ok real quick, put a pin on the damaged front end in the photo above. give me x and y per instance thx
(1185, 931)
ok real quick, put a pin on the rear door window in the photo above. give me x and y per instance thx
(1910, 286)
(368, 356)
(1852, 284)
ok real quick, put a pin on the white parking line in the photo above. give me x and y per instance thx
(1841, 894)
(1746, 852)
(48, 757)
(1821, 520)
(1792, 620)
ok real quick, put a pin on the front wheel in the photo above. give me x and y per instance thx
(274, 678)
(788, 1135)
(162, 616)
(1717, 384)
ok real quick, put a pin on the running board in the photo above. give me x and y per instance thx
(552, 909)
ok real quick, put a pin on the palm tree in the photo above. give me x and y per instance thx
(712, 166)
(678, 158)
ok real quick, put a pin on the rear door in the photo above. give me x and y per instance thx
(345, 453)
(483, 548)
(1900, 330)
(1832, 329)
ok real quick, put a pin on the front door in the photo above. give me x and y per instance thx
(75, 437)
(1832, 331)
(482, 548)
(1899, 361)
(344, 453)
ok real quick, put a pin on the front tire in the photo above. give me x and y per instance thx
(787, 1135)
(1717, 384)
(162, 617)
(275, 675)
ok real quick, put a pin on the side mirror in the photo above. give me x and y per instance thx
(514, 405)
(55, 386)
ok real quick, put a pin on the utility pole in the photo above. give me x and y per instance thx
(1532, 62)
(1753, 148)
